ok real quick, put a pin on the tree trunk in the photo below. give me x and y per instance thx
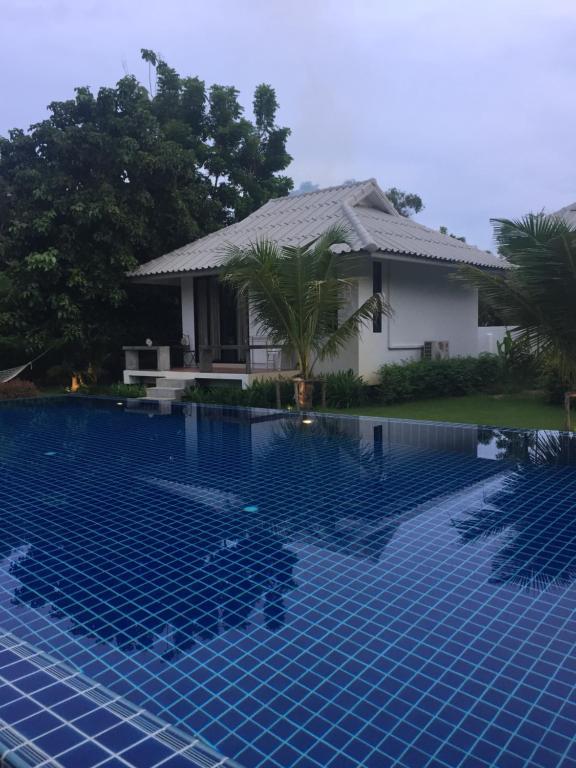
(303, 393)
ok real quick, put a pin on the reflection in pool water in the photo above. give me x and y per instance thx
(339, 593)
(533, 516)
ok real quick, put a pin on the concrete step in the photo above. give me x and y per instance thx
(172, 383)
(164, 393)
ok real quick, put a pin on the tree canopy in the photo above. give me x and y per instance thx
(113, 179)
(406, 203)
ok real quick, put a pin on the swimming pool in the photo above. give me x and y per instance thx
(345, 592)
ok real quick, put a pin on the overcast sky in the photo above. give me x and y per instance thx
(472, 105)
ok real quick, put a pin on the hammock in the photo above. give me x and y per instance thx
(10, 373)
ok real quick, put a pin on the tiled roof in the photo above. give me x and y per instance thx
(568, 213)
(373, 224)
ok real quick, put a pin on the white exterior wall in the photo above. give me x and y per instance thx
(428, 305)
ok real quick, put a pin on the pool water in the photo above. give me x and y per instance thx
(349, 592)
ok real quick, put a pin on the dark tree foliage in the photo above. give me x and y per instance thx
(406, 203)
(487, 315)
(444, 231)
(113, 179)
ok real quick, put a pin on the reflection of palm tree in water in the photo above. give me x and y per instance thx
(535, 511)
(323, 466)
(195, 587)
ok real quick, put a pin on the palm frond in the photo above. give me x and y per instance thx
(537, 295)
(515, 236)
(373, 306)
(295, 293)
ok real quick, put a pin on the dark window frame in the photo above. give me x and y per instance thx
(377, 288)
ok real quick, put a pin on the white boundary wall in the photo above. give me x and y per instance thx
(489, 336)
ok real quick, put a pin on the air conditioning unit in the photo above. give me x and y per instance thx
(435, 350)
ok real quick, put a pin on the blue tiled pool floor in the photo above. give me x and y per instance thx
(336, 594)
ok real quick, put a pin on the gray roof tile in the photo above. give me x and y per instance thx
(568, 213)
(362, 207)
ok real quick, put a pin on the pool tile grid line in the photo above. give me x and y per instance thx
(301, 414)
(294, 414)
(474, 601)
(55, 574)
(511, 678)
(110, 713)
(192, 752)
(16, 751)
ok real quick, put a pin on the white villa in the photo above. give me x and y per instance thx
(411, 264)
(568, 213)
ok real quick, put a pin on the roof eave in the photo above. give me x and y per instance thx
(400, 255)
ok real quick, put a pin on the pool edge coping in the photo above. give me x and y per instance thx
(50, 664)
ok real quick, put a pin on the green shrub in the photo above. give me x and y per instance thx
(555, 386)
(127, 390)
(260, 394)
(16, 388)
(115, 390)
(420, 379)
(345, 390)
(520, 368)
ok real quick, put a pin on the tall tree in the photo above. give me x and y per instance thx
(406, 203)
(110, 180)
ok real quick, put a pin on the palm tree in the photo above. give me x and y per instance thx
(538, 294)
(296, 294)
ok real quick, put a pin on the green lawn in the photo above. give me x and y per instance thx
(523, 410)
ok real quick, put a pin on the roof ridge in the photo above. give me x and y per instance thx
(361, 231)
(325, 189)
(374, 188)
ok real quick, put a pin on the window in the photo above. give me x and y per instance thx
(377, 288)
